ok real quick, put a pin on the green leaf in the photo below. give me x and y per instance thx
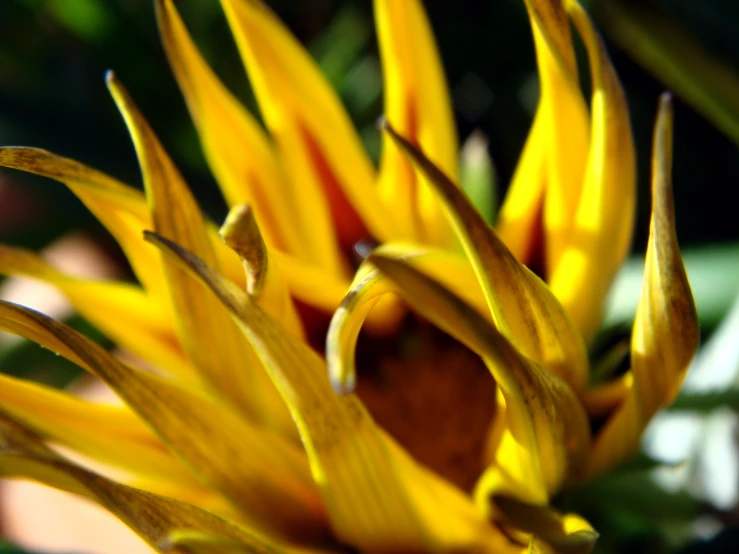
(676, 58)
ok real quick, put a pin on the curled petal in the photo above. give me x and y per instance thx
(370, 285)
(551, 532)
(522, 306)
(665, 334)
(547, 433)
(376, 496)
(264, 283)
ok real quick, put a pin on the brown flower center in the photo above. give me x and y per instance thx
(433, 395)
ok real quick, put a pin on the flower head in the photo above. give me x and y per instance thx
(235, 433)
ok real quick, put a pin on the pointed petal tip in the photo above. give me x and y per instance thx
(240, 227)
(110, 77)
(665, 99)
(342, 381)
(342, 384)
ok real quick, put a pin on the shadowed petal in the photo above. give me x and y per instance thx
(552, 532)
(370, 285)
(547, 433)
(120, 208)
(264, 283)
(665, 334)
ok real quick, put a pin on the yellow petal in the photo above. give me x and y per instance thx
(110, 434)
(600, 234)
(237, 149)
(417, 104)
(566, 123)
(547, 435)
(119, 207)
(131, 318)
(665, 334)
(519, 221)
(552, 532)
(377, 497)
(602, 399)
(213, 342)
(263, 280)
(310, 284)
(370, 285)
(153, 517)
(201, 542)
(322, 152)
(264, 474)
(522, 306)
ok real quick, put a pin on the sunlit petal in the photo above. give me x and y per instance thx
(519, 222)
(522, 306)
(207, 333)
(153, 517)
(111, 434)
(323, 154)
(665, 334)
(566, 115)
(263, 473)
(376, 496)
(129, 316)
(603, 222)
(417, 104)
(238, 150)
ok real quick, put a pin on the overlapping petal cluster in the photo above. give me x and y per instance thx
(243, 437)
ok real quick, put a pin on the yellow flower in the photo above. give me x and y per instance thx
(236, 435)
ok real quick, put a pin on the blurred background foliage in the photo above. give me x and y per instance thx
(53, 55)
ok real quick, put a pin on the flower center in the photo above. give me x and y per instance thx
(431, 394)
